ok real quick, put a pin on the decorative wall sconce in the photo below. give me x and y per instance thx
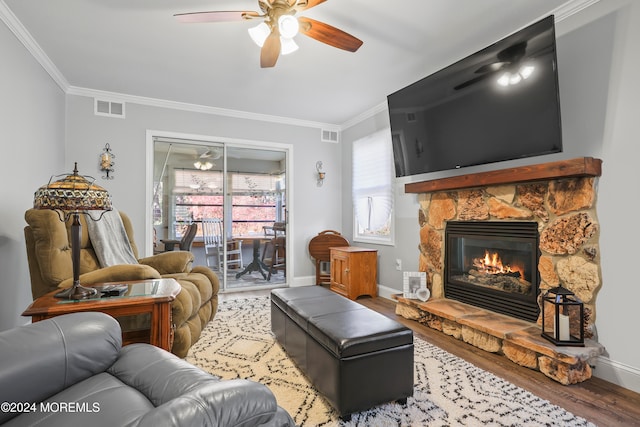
(562, 317)
(321, 174)
(106, 161)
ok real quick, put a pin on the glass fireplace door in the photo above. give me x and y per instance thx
(493, 265)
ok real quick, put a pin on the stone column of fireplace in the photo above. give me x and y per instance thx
(566, 215)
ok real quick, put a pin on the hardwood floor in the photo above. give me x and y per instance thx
(601, 402)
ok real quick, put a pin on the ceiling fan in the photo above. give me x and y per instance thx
(211, 153)
(510, 63)
(275, 34)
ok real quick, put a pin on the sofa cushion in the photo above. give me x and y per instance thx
(99, 400)
(115, 273)
(78, 346)
(52, 248)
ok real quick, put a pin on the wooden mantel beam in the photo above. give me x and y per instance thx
(582, 166)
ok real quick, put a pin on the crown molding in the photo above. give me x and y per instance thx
(567, 9)
(365, 115)
(196, 108)
(571, 8)
(21, 33)
(560, 13)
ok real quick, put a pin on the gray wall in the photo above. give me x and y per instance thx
(32, 144)
(598, 59)
(313, 209)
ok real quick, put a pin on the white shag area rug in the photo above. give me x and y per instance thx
(448, 391)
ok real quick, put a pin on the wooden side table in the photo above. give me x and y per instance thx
(353, 271)
(142, 296)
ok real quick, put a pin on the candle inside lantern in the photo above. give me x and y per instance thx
(105, 160)
(563, 327)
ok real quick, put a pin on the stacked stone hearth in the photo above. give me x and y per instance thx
(565, 210)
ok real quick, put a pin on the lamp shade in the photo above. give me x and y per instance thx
(72, 193)
(69, 197)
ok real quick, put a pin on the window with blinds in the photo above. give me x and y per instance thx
(256, 199)
(372, 188)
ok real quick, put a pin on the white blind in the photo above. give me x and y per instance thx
(197, 182)
(248, 182)
(372, 180)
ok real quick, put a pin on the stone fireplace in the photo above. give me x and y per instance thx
(541, 221)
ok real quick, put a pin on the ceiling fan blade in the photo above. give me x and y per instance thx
(308, 4)
(219, 16)
(327, 34)
(270, 50)
(472, 81)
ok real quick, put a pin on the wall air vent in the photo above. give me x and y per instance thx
(329, 135)
(108, 108)
(411, 117)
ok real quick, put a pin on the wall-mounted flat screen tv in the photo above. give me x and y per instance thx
(501, 103)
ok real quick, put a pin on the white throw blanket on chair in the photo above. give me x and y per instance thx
(109, 240)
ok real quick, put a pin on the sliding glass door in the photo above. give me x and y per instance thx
(235, 194)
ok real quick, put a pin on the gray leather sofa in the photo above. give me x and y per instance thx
(72, 371)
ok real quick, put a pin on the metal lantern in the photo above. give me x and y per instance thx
(562, 317)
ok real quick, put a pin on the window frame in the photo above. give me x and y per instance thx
(382, 139)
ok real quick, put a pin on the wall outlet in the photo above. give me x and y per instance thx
(398, 264)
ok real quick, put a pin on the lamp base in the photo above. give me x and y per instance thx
(77, 291)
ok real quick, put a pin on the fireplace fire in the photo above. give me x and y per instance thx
(489, 271)
(493, 265)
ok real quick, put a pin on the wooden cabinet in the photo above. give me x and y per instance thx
(353, 271)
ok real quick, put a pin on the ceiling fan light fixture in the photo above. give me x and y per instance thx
(503, 80)
(509, 78)
(287, 46)
(280, 26)
(203, 165)
(515, 78)
(288, 26)
(526, 71)
(259, 33)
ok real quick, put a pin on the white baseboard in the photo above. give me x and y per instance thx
(386, 292)
(618, 373)
(303, 281)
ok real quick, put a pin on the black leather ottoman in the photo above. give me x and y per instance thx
(356, 357)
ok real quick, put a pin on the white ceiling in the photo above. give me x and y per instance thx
(136, 47)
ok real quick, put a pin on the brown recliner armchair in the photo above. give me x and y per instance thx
(50, 268)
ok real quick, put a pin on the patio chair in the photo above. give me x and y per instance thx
(213, 238)
(185, 243)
